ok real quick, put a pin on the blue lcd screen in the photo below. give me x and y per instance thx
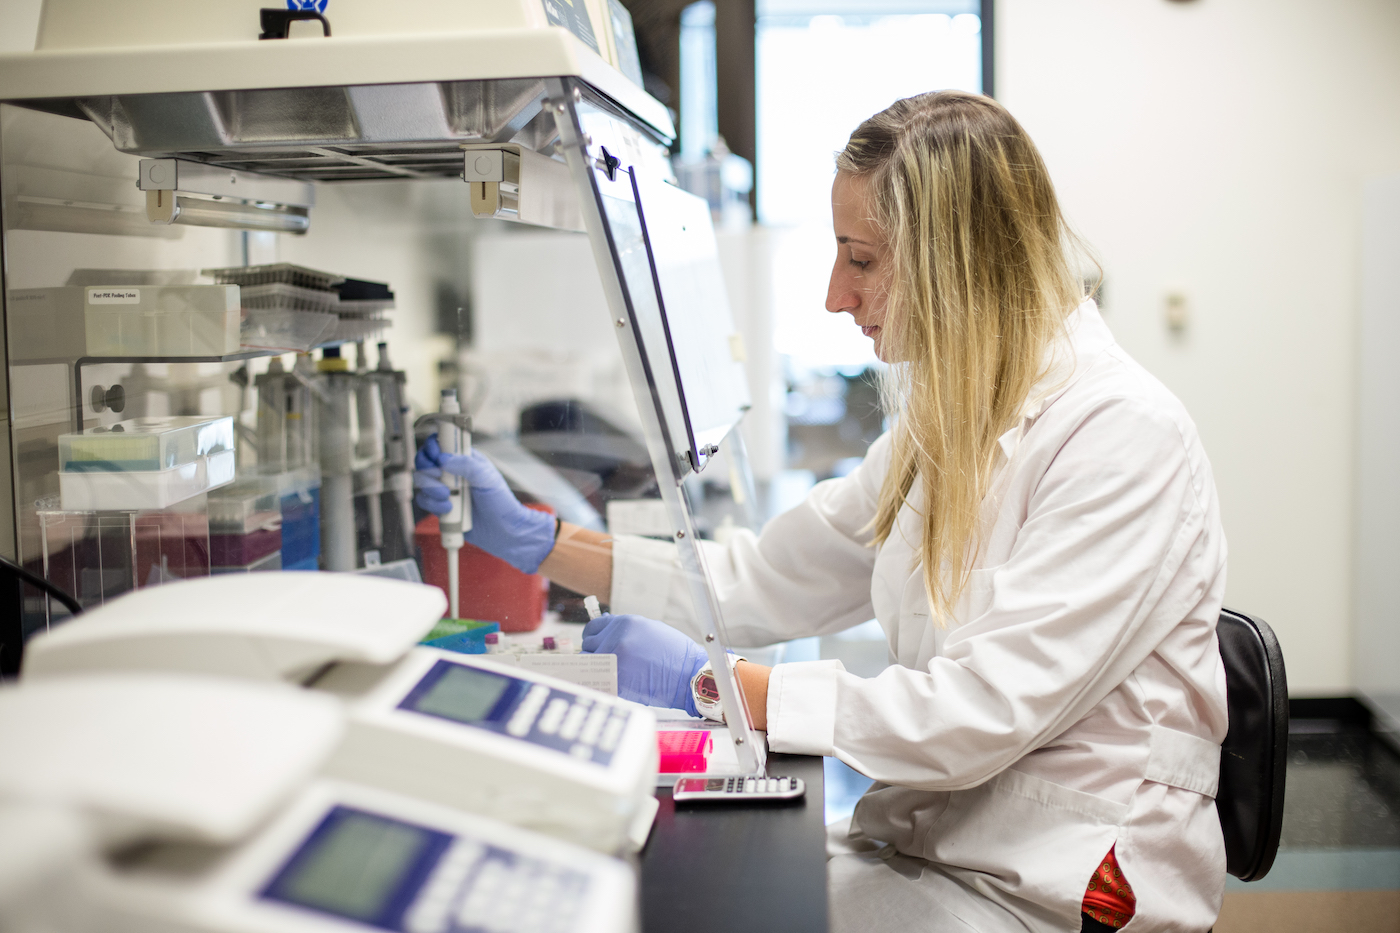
(360, 866)
(463, 694)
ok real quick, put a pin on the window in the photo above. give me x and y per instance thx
(824, 66)
(699, 105)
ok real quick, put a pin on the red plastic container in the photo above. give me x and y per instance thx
(686, 751)
(491, 589)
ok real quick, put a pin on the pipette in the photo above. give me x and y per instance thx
(454, 437)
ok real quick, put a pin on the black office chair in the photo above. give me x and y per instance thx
(1253, 759)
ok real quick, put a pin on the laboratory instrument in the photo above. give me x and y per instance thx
(96, 764)
(187, 804)
(343, 857)
(507, 742)
(336, 450)
(739, 789)
(195, 759)
(454, 432)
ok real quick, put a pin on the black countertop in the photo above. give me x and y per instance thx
(731, 868)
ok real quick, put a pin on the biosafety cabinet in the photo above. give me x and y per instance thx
(172, 397)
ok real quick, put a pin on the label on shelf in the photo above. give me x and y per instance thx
(114, 296)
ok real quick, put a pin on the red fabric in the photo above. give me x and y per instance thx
(1109, 898)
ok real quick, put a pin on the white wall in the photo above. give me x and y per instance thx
(19, 25)
(1219, 148)
(1376, 653)
(409, 234)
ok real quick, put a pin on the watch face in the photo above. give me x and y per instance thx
(706, 689)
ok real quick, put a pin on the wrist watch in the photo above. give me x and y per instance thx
(706, 692)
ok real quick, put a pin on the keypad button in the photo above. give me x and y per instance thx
(553, 715)
(593, 728)
(426, 919)
(581, 750)
(507, 894)
(477, 903)
(612, 733)
(521, 722)
(573, 722)
(524, 716)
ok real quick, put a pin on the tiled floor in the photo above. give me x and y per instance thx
(1338, 866)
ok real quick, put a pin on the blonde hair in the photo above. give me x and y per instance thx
(979, 286)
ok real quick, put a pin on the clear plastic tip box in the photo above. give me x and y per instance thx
(144, 444)
(245, 526)
(145, 463)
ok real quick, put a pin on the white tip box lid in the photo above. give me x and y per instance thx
(163, 755)
(255, 626)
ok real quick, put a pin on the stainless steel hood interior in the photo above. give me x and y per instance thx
(328, 133)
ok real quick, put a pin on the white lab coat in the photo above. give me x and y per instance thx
(1076, 701)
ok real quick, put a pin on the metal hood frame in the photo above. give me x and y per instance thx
(57, 80)
(337, 109)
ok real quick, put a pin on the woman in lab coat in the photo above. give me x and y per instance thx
(1038, 537)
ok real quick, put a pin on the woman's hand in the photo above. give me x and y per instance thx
(501, 526)
(655, 663)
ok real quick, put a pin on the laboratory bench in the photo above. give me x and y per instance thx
(739, 867)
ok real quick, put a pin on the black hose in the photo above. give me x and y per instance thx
(39, 582)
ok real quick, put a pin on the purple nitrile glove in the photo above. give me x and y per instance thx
(655, 663)
(501, 526)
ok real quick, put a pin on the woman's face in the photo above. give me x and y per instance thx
(859, 280)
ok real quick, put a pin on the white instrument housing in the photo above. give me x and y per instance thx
(343, 858)
(267, 626)
(196, 758)
(583, 769)
(515, 745)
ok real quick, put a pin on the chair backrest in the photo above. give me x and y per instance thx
(1253, 760)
